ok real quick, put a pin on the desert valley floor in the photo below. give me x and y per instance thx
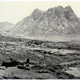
(48, 60)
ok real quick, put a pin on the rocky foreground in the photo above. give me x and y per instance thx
(48, 60)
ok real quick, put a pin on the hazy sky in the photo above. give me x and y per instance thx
(14, 11)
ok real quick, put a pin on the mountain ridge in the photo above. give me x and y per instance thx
(57, 20)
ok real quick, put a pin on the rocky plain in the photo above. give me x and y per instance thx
(48, 60)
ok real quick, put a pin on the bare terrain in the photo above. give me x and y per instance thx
(48, 60)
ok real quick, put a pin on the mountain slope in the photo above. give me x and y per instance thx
(57, 20)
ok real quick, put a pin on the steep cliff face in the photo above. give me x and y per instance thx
(57, 20)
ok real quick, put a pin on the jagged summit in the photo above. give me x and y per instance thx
(68, 7)
(36, 11)
(36, 14)
(57, 20)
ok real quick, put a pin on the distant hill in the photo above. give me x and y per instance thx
(54, 21)
(5, 27)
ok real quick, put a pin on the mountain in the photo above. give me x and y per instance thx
(54, 21)
(5, 27)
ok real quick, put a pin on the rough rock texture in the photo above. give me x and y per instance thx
(57, 20)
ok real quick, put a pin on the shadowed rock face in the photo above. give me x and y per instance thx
(57, 20)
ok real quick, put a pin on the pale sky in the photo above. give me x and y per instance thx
(14, 11)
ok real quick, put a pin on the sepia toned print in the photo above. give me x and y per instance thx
(39, 40)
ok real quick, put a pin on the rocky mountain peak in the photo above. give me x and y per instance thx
(71, 16)
(57, 20)
(36, 14)
(68, 8)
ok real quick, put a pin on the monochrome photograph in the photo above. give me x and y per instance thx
(39, 39)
